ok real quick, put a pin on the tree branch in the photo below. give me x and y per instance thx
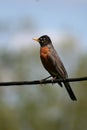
(42, 81)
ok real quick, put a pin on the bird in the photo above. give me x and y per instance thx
(52, 63)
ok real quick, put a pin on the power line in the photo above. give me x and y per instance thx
(36, 82)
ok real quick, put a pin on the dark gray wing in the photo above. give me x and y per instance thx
(57, 64)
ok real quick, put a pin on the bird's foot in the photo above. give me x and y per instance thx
(53, 79)
(44, 79)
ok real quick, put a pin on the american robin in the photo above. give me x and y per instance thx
(52, 63)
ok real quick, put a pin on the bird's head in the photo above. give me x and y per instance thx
(43, 40)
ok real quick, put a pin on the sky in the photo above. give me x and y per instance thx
(51, 17)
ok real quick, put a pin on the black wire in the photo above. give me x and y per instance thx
(13, 83)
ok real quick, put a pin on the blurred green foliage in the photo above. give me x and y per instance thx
(43, 107)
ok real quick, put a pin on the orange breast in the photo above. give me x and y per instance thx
(44, 51)
(44, 54)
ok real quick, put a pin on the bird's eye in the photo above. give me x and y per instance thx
(41, 39)
(44, 38)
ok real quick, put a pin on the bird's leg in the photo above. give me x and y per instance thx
(46, 78)
(53, 79)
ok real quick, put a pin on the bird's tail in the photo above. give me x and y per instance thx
(70, 92)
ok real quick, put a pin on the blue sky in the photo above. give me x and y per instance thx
(50, 16)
